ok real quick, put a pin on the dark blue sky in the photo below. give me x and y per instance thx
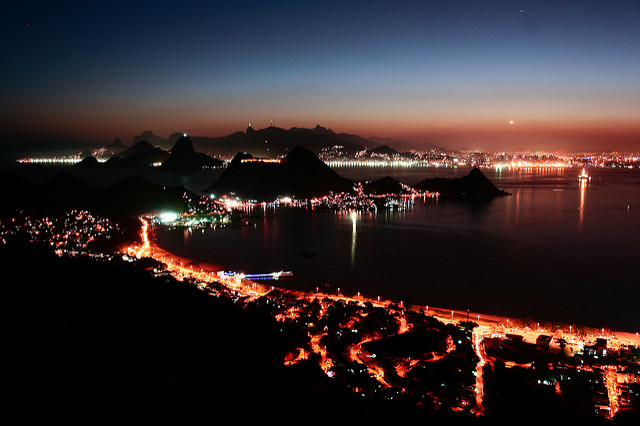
(453, 73)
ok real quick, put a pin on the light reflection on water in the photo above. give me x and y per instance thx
(554, 249)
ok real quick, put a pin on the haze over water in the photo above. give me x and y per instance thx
(555, 250)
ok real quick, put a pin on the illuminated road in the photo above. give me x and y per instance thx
(482, 356)
(355, 353)
(611, 383)
(325, 363)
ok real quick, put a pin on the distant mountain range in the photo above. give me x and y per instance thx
(274, 141)
(181, 158)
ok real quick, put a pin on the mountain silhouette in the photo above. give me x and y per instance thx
(17, 193)
(301, 174)
(386, 185)
(130, 196)
(64, 192)
(182, 157)
(87, 163)
(142, 154)
(157, 141)
(268, 142)
(272, 141)
(135, 195)
(115, 147)
(473, 187)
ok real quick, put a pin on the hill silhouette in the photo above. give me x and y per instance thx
(274, 141)
(119, 344)
(158, 141)
(130, 196)
(135, 195)
(386, 185)
(64, 192)
(183, 157)
(115, 147)
(142, 154)
(17, 193)
(301, 174)
(89, 162)
(270, 142)
(473, 187)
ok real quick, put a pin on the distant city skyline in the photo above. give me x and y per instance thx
(497, 75)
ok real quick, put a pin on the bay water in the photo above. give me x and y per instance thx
(556, 249)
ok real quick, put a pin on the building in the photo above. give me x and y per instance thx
(543, 342)
(598, 349)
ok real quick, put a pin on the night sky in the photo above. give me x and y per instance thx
(453, 73)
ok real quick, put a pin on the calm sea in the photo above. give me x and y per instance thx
(555, 250)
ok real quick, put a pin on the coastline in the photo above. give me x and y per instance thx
(488, 323)
(164, 256)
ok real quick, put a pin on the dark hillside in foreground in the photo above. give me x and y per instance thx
(89, 342)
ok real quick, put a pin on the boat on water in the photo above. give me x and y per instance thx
(584, 175)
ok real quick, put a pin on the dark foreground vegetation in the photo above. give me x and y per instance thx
(92, 342)
(104, 342)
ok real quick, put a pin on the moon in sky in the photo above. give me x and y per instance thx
(511, 122)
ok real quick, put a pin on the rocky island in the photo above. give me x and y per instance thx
(475, 187)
